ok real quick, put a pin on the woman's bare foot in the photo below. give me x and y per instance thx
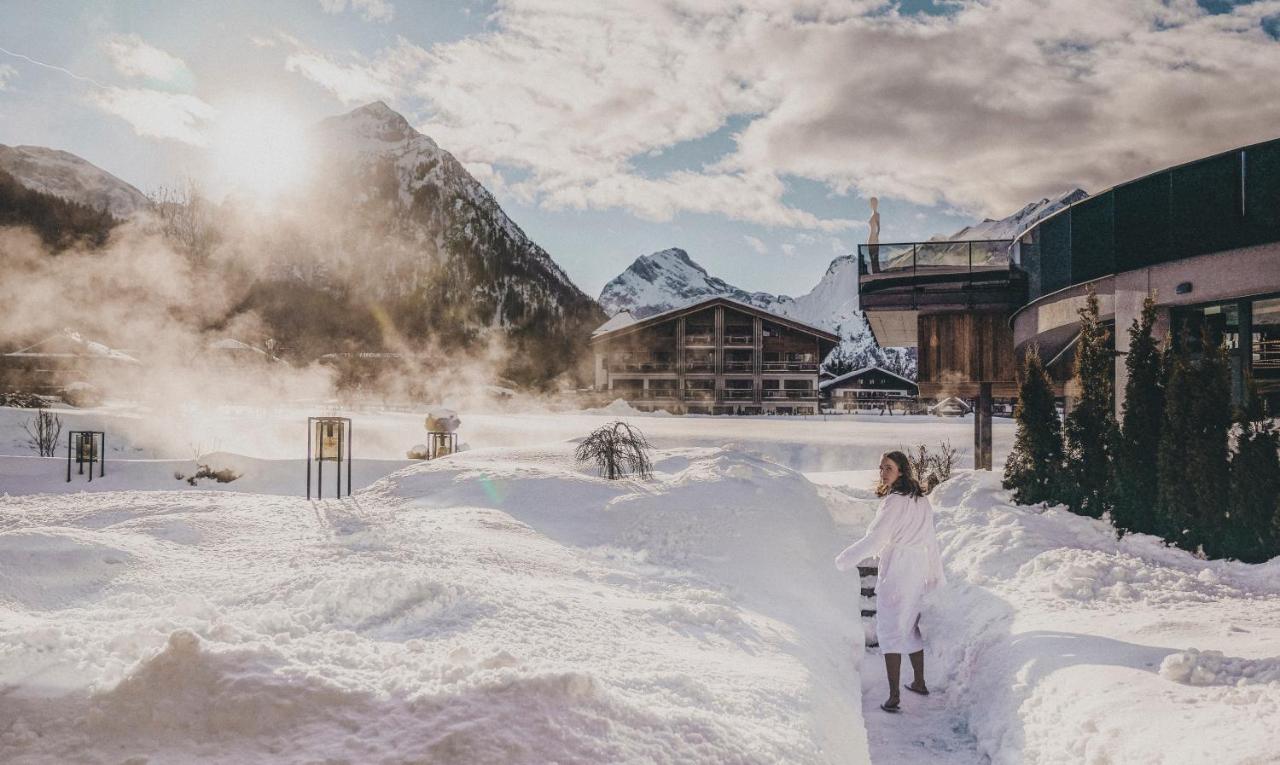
(918, 687)
(892, 705)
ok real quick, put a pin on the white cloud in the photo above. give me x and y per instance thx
(133, 57)
(371, 10)
(156, 114)
(352, 78)
(788, 249)
(1003, 102)
(757, 245)
(349, 84)
(7, 73)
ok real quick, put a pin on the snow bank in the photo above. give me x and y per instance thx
(1196, 667)
(501, 605)
(1053, 638)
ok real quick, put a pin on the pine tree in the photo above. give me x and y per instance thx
(1192, 461)
(1137, 488)
(1255, 487)
(1034, 466)
(1091, 427)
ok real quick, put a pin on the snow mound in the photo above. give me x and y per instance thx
(501, 605)
(1195, 667)
(1052, 638)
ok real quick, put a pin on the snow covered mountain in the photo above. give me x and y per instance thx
(1013, 225)
(65, 175)
(394, 220)
(668, 279)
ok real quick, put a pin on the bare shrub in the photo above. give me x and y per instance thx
(932, 468)
(43, 431)
(618, 450)
(225, 475)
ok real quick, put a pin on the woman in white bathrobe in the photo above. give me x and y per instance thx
(903, 537)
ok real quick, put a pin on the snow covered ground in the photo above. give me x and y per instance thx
(506, 605)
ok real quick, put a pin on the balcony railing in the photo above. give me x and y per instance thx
(700, 339)
(739, 366)
(699, 394)
(1266, 355)
(908, 274)
(737, 339)
(661, 393)
(775, 393)
(789, 366)
(700, 366)
(738, 393)
(641, 366)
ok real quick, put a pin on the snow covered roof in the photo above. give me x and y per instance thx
(617, 321)
(949, 400)
(658, 318)
(70, 344)
(864, 370)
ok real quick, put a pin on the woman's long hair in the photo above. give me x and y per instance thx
(906, 483)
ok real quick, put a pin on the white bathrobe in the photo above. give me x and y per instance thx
(903, 537)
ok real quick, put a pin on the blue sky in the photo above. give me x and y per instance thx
(748, 133)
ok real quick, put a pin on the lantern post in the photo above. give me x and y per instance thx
(87, 447)
(327, 440)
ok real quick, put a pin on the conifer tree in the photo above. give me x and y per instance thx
(1090, 429)
(1255, 487)
(1142, 413)
(1034, 466)
(1193, 459)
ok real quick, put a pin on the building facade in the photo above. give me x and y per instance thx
(717, 356)
(870, 389)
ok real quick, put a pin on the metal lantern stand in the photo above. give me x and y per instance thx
(331, 435)
(89, 447)
(441, 443)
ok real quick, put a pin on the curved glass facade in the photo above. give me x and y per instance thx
(1223, 202)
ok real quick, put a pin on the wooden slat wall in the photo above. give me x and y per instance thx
(965, 347)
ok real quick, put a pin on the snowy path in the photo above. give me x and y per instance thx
(926, 732)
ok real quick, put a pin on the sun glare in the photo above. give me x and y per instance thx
(260, 148)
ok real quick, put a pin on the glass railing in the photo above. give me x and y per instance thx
(933, 257)
(737, 393)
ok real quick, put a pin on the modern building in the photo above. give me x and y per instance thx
(1203, 238)
(869, 389)
(717, 356)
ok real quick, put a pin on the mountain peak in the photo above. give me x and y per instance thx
(65, 175)
(375, 121)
